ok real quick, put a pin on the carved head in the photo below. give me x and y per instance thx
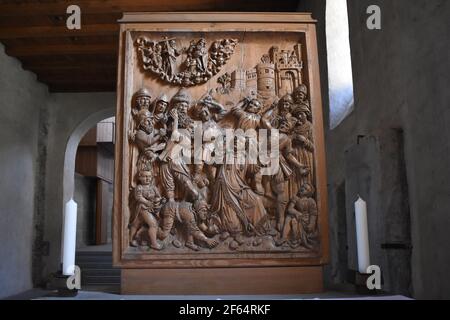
(144, 118)
(201, 208)
(285, 104)
(172, 43)
(143, 98)
(202, 42)
(306, 190)
(181, 101)
(158, 48)
(161, 104)
(145, 177)
(253, 106)
(300, 93)
(286, 125)
(201, 109)
(215, 46)
(301, 112)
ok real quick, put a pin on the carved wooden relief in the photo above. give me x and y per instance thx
(195, 106)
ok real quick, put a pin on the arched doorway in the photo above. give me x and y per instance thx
(88, 179)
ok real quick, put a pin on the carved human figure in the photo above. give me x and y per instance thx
(159, 112)
(200, 63)
(141, 104)
(183, 212)
(200, 54)
(247, 114)
(157, 59)
(284, 122)
(300, 95)
(225, 82)
(142, 101)
(174, 169)
(169, 56)
(148, 203)
(208, 223)
(147, 139)
(240, 209)
(301, 220)
(209, 112)
(303, 145)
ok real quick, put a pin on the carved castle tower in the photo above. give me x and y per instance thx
(288, 68)
(266, 80)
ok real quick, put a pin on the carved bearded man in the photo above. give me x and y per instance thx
(177, 154)
(148, 140)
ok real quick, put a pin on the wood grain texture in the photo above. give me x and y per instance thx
(217, 281)
(219, 273)
(300, 24)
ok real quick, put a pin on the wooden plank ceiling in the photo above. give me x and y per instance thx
(34, 31)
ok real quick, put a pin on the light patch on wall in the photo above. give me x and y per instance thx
(340, 81)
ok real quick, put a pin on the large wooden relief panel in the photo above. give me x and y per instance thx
(219, 156)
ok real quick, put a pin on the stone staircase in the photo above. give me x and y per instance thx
(97, 272)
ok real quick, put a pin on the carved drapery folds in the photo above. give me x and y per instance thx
(161, 57)
(181, 198)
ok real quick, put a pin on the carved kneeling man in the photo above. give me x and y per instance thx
(301, 218)
(183, 213)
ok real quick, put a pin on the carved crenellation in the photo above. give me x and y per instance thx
(178, 205)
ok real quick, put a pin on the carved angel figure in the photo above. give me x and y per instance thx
(200, 64)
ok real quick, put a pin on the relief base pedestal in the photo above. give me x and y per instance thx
(223, 281)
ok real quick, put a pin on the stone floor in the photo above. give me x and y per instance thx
(92, 294)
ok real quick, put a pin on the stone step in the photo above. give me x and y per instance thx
(110, 280)
(97, 270)
(100, 272)
(93, 258)
(94, 265)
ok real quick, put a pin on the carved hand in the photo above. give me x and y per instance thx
(304, 171)
(174, 114)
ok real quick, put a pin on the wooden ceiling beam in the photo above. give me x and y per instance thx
(58, 7)
(60, 31)
(74, 72)
(68, 62)
(63, 49)
(70, 67)
(82, 87)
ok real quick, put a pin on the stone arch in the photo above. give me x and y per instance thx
(71, 149)
(70, 155)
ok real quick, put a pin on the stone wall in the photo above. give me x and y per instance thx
(21, 99)
(394, 148)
